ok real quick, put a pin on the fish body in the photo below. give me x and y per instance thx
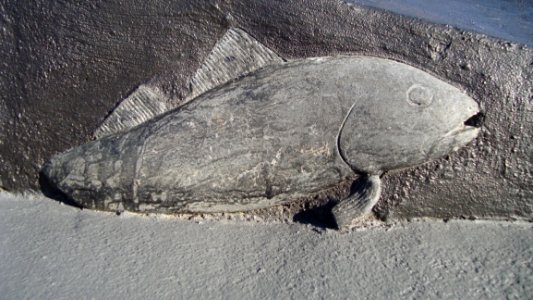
(281, 133)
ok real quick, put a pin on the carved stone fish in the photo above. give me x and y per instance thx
(282, 133)
(234, 55)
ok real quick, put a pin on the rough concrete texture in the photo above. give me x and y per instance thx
(53, 251)
(66, 66)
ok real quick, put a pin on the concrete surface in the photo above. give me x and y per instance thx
(53, 251)
(65, 66)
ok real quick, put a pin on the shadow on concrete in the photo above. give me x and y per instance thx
(319, 216)
(54, 193)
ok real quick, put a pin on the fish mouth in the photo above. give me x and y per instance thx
(476, 120)
(458, 136)
(468, 130)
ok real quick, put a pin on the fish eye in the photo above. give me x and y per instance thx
(419, 95)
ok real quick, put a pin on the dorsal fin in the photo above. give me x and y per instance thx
(140, 106)
(235, 54)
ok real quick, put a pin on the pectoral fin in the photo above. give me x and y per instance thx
(365, 193)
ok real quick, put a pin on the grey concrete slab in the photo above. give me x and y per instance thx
(53, 251)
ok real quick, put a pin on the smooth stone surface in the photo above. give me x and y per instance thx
(283, 133)
(52, 251)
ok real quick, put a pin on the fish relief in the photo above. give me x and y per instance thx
(282, 131)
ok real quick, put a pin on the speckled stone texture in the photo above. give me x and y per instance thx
(282, 133)
(66, 66)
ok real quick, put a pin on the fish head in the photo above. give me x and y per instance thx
(405, 117)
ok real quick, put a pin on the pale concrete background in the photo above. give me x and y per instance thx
(54, 251)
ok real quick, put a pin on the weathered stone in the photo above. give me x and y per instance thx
(235, 54)
(284, 132)
(140, 106)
